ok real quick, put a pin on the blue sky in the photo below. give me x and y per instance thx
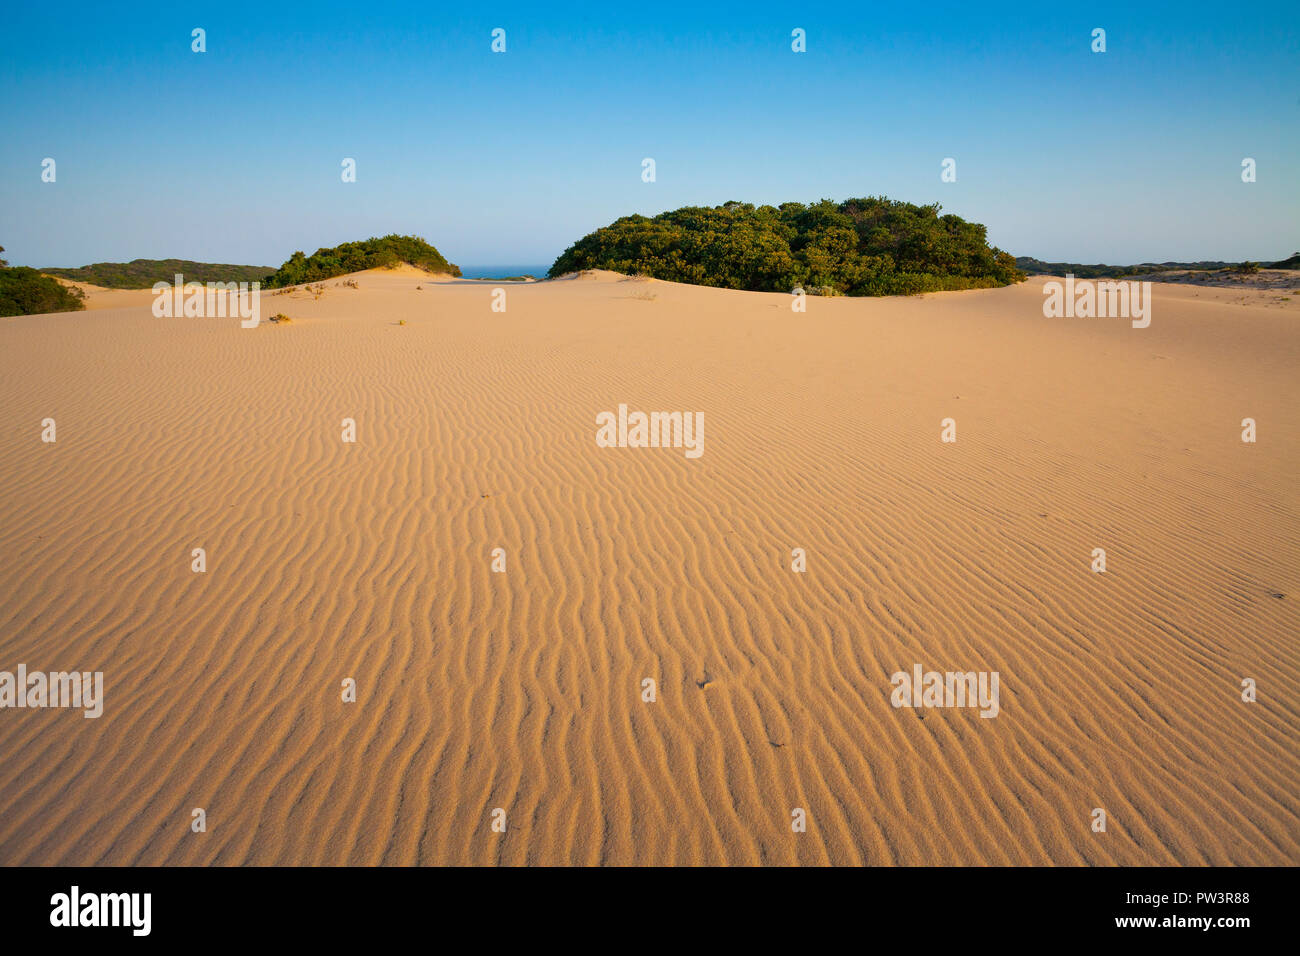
(234, 155)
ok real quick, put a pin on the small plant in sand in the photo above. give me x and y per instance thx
(401, 321)
(279, 318)
(1248, 268)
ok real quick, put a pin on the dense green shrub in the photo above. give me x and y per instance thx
(859, 247)
(143, 273)
(25, 291)
(356, 256)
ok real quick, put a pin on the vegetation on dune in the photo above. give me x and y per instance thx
(373, 253)
(1100, 271)
(25, 291)
(872, 246)
(143, 273)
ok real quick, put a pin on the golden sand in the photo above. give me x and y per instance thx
(522, 690)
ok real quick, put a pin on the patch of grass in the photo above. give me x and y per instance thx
(280, 318)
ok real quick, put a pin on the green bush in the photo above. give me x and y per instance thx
(872, 246)
(356, 256)
(25, 291)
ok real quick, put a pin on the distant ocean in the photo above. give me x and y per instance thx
(504, 272)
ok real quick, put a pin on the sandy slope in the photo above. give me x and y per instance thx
(99, 297)
(522, 690)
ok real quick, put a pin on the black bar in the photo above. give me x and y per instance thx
(906, 907)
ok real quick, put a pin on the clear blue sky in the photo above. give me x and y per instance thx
(234, 155)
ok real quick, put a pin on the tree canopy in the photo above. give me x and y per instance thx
(871, 246)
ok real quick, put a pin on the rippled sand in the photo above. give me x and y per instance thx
(523, 690)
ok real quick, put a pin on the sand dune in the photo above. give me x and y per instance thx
(522, 690)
